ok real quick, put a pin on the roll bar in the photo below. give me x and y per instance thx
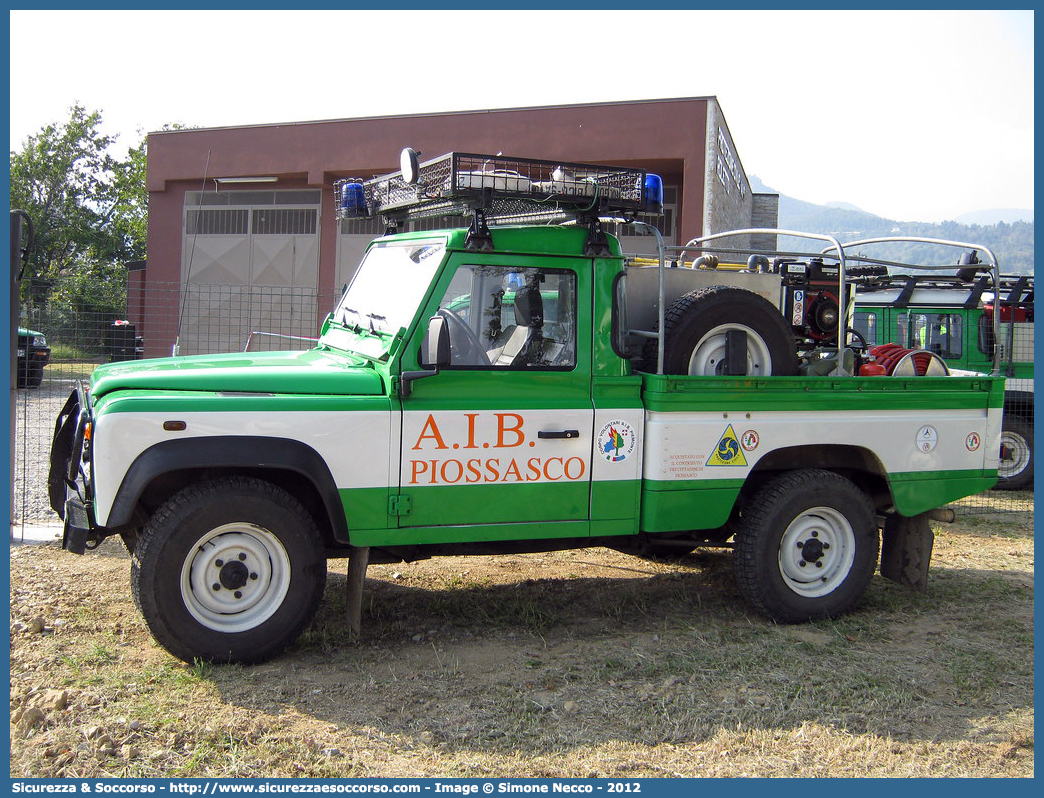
(994, 274)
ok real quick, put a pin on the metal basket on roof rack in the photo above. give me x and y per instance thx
(504, 188)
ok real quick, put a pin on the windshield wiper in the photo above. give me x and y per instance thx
(344, 315)
(377, 317)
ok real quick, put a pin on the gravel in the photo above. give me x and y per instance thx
(35, 412)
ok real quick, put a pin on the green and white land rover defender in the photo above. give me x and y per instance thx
(953, 316)
(519, 385)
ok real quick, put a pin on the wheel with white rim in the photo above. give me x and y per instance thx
(806, 546)
(817, 551)
(709, 356)
(1015, 471)
(701, 328)
(236, 578)
(229, 570)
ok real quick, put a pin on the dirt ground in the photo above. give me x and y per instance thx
(573, 664)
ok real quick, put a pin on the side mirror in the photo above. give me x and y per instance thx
(435, 349)
(434, 354)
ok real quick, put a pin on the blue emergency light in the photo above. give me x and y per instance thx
(351, 201)
(652, 196)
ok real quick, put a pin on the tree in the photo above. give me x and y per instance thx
(60, 179)
(89, 219)
(130, 211)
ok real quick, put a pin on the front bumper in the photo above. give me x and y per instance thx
(69, 482)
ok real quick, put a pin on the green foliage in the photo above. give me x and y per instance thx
(88, 209)
(1012, 243)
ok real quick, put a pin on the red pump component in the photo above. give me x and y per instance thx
(899, 361)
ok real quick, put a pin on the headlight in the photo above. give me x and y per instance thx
(39, 340)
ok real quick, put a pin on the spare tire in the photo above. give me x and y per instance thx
(696, 327)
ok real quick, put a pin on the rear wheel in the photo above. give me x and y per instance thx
(1016, 463)
(229, 570)
(699, 325)
(806, 547)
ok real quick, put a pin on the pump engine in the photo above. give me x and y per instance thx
(809, 298)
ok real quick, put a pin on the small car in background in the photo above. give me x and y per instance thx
(33, 355)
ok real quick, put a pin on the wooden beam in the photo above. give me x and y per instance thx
(358, 561)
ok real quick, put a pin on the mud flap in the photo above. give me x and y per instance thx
(906, 550)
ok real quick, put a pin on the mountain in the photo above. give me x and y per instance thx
(995, 215)
(845, 206)
(1011, 241)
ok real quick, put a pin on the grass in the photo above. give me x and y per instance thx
(71, 368)
(568, 664)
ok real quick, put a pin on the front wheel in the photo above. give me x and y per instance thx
(229, 570)
(806, 547)
(1016, 462)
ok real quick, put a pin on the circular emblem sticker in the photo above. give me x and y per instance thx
(973, 441)
(616, 441)
(750, 440)
(927, 438)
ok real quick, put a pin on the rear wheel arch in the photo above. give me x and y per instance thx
(855, 463)
(166, 468)
(1019, 403)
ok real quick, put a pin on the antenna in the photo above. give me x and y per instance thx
(176, 349)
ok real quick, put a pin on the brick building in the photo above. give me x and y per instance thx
(251, 209)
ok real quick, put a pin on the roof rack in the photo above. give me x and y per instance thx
(1013, 288)
(502, 189)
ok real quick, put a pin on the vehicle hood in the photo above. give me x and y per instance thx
(312, 372)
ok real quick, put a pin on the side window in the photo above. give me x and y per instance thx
(912, 329)
(986, 341)
(502, 317)
(902, 323)
(944, 335)
(866, 324)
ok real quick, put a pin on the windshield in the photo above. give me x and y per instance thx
(389, 285)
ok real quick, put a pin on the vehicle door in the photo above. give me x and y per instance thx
(502, 436)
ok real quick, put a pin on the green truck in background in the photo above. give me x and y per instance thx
(518, 385)
(953, 317)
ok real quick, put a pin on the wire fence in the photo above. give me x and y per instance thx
(61, 344)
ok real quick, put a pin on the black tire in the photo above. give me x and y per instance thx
(255, 543)
(813, 517)
(30, 375)
(1016, 466)
(695, 327)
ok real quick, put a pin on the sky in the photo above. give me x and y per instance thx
(911, 115)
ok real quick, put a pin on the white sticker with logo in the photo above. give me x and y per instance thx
(616, 441)
(927, 439)
(750, 440)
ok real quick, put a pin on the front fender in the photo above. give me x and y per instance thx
(229, 452)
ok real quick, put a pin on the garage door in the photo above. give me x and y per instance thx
(250, 263)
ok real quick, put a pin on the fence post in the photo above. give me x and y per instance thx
(19, 257)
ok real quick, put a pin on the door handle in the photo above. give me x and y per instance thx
(558, 434)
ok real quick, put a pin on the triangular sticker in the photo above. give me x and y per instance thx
(728, 451)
